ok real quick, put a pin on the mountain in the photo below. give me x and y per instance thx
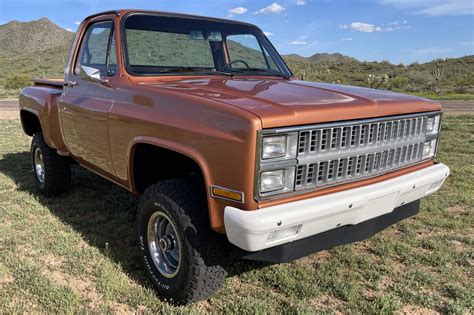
(336, 57)
(321, 58)
(35, 36)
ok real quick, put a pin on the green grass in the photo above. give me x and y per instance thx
(77, 253)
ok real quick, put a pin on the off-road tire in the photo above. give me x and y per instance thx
(57, 169)
(204, 252)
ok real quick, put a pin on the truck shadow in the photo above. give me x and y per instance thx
(102, 212)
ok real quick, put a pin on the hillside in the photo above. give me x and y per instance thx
(35, 36)
(321, 58)
(39, 49)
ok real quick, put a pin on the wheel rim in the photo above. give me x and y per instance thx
(164, 244)
(39, 165)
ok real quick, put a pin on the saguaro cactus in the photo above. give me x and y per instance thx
(438, 74)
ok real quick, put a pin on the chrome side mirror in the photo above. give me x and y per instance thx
(92, 75)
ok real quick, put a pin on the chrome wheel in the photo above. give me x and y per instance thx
(39, 165)
(164, 244)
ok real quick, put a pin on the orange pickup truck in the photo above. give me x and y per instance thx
(231, 155)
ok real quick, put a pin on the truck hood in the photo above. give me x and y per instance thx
(279, 102)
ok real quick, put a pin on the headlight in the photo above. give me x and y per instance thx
(273, 147)
(277, 180)
(432, 125)
(279, 147)
(429, 148)
(273, 180)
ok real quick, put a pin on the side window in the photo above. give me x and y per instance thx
(98, 49)
(245, 48)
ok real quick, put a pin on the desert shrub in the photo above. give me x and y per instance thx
(17, 81)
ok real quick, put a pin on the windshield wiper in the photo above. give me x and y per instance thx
(195, 69)
(263, 71)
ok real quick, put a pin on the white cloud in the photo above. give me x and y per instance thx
(347, 39)
(300, 2)
(360, 27)
(299, 42)
(268, 34)
(69, 30)
(272, 8)
(434, 7)
(77, 23)
(370, 28)
(237, 11)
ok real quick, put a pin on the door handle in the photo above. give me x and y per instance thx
(71, 84)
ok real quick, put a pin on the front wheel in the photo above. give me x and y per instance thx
(184, 258)
(52, 172)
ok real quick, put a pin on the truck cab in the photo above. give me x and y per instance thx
(229, 153)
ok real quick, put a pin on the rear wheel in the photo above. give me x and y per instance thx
(52, 172)
(184, 258)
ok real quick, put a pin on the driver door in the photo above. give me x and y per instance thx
(85, 103)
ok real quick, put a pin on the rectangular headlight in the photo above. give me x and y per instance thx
(273, 180)
(279, 147)
(432, 125)
(274, 147)
(429, 148)
(281, 180)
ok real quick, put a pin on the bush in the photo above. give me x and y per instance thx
(17, 81)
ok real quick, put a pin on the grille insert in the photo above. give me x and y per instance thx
(342, 138)
(357, 166)
(346, 153)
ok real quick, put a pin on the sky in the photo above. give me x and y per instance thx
(400, 31)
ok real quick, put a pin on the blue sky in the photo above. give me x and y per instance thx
(394, 30)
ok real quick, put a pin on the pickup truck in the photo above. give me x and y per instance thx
(231, 155)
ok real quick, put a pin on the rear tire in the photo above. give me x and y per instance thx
(184, 258)
(52, 172)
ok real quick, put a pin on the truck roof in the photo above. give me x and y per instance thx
(169, 14)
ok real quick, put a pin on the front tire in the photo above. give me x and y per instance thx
(184, 258)
(52, 172)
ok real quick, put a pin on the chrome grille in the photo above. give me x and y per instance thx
(342, 138)
(354, 151)
(323, 155)
(357, 166)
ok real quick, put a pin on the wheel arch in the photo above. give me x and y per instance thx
(30, 122)
(186, 153)
(164, 146)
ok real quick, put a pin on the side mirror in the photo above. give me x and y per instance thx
(91, 74)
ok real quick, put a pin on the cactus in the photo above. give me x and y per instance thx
(438, 74)
(376, 80)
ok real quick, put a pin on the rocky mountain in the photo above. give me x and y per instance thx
(322, 58)
(19, 38)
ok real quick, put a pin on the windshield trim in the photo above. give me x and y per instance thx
(271, 49)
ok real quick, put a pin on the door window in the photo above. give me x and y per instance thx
(98, 49)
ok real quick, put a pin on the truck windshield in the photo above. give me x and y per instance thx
(167, 45)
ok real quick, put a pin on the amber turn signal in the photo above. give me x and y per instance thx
(227, 194)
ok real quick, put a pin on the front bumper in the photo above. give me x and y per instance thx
(269, 227)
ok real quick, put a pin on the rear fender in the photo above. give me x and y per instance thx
(42, 102)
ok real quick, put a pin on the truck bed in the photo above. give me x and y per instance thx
(48, 82)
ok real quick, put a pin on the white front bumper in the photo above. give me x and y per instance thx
(276, 225)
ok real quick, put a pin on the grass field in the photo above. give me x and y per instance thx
(77, 253)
